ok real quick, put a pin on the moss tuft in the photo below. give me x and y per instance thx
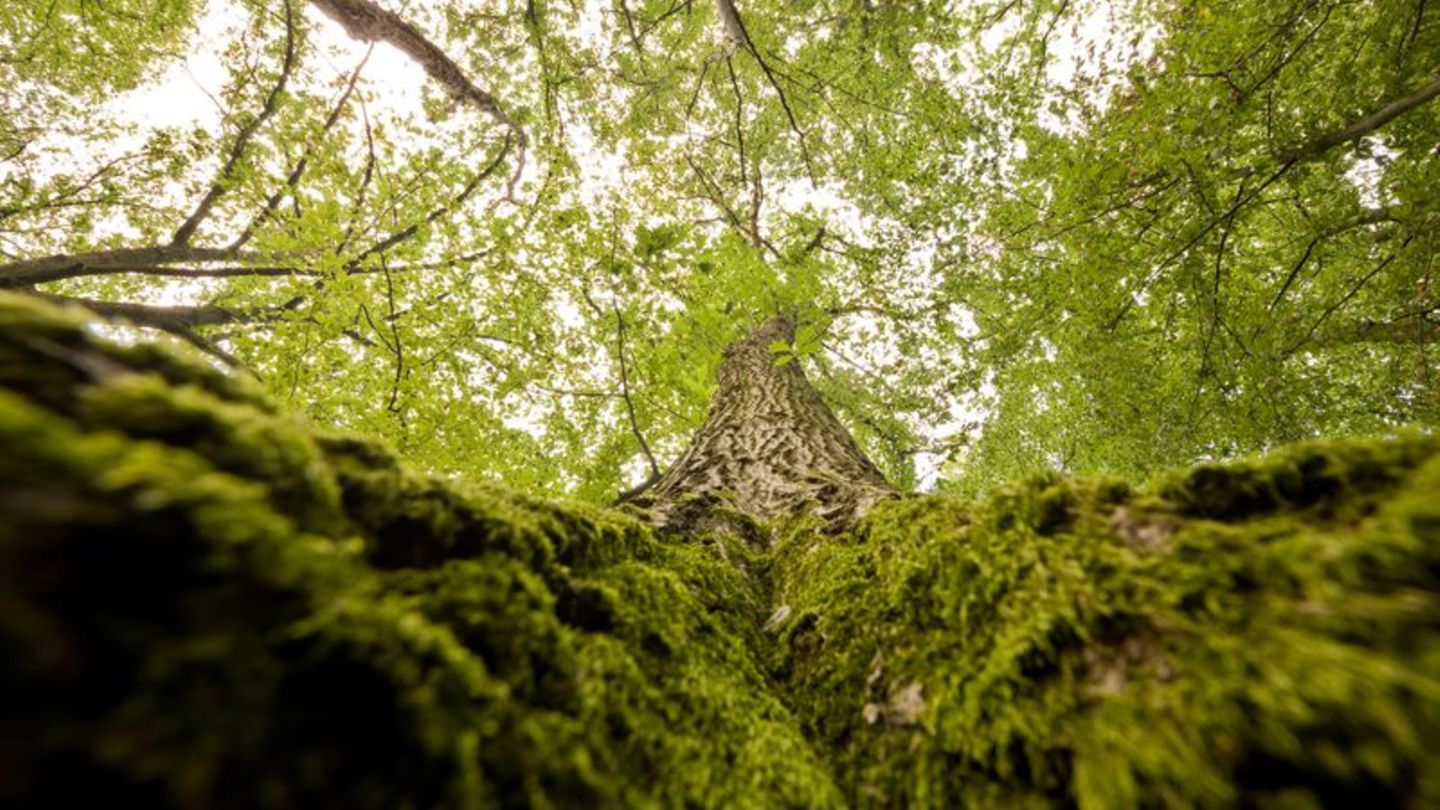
(1259, 633)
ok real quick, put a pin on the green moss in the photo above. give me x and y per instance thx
(1073, 643)
(203, 603)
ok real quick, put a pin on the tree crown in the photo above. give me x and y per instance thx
(513, 238)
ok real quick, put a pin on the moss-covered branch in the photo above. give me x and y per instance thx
(1260, 635)
(203, 603)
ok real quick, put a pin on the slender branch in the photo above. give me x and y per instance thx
(1414, 32)
(242, 140)
(1370, 217)
(735, 30)
(1215, 284)
(633, 492)
(712, 190)
(581, 393)
(625, 389)
(293, 181)
(1194, 240)
(211, 348)
(1344, 299)
(366, 177)
(68, 197)
(813, 243)
(699, 84)
(1285, 59)
(1294, 272)
(1399, 331)
(739, 115)
(413, 228)
(630, 28)
(757, 198)
(393, 406)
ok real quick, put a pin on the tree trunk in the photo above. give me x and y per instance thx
(203, 604)
(769, 448)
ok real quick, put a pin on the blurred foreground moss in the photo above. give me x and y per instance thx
(203, 603)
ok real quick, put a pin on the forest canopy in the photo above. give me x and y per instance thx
(513, 238)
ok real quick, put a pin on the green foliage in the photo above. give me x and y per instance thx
(1180, 271)
(1093, 237)
(89, 48)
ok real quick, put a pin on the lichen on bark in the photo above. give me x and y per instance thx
(204, 603)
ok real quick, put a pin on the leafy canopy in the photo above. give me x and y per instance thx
(1018, 234)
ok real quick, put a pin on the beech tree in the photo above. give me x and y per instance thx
(737, 282)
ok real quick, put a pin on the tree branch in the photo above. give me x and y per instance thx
(1344, 299)
(242, 140)
(1194, 240)
(303, 163)
(735, 30)
(368, 22)
(1318, 146)
(1370, 217)
(629, 403)
(28, 272)
(413, 228)
(176, 319)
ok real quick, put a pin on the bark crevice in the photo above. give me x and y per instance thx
(769, 449)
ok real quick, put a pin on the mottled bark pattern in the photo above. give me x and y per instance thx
(769, 448)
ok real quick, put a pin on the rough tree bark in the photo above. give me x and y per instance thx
(206, 604)
(770, 448)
